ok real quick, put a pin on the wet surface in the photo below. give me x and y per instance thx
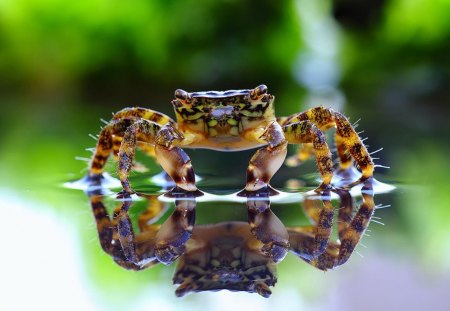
(229, 254)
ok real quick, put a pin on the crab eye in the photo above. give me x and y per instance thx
(182, 95)
(258, 92)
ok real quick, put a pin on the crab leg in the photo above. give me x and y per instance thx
(173, 159)
(110, 136)
(109, 237)
(266, 161)
(307, 132)
(142, 113)
(105, 144)
(139, 113)
(350, 232)
(347, 136)
(147, 148)
(348, 142)
(144, 131)
(310, 242)
(167, 243)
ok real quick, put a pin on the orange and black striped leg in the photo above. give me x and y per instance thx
(138, 249)
(137, 113)
(142, 113)
(105, 146)
(307, 132)
(108, 234)
(147, 148)
(348, 139)
(348, 143)
(165, 244)
(142, 130)
(345, 158)
(266, 161)
(310, 242)
(350, 232)
(268, 229)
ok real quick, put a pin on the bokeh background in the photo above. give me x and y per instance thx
(64, 65)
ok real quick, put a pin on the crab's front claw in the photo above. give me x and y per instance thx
(178, 166)
(266, 161)
(276, 251)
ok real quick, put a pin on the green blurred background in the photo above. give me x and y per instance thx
(64, 65)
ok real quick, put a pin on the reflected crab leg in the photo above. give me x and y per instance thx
(166, 244)
(349, 234)
(310, 242)
(109, 237)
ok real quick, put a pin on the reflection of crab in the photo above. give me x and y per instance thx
(227, 121)
(236, 256)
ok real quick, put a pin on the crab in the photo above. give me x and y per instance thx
(232, 255)
(230, 120)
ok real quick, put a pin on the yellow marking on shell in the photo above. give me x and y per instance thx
(212, 123)
(195, 116)
(248, 113)
(232, 121)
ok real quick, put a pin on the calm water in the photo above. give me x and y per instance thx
(57, 259)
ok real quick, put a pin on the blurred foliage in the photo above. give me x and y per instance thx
(398, 69)
(55, 45)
